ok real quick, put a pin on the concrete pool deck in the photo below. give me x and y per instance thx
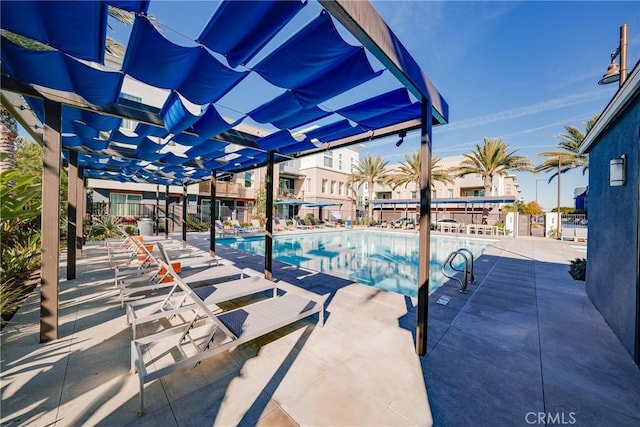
(524, 341)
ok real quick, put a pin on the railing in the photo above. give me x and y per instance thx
(467, 256)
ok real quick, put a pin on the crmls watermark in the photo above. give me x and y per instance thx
(550, 418)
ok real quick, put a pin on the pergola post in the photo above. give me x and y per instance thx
(268, 240)
(185, 200)
(166, 212)
(212, 220)
(72, 214)
(82, 210)
(425, 229)
(157, 214)
(51, 151)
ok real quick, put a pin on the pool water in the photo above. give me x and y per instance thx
(382, 259)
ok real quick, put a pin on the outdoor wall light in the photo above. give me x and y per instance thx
(617, 72)
(401, 134)
(617, 171)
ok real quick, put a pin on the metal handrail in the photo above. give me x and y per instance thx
(468, 268)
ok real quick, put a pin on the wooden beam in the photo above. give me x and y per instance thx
(268, 241)
(185, 200)
(72, 214)
(51, 152)
(212, 220)
(425, 230)
(362, 20)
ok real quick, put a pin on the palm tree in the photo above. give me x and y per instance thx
(410, 171)
(370, 170)
(8, 135)
(491, 159)
(570, 142)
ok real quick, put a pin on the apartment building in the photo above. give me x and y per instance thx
(464, 200)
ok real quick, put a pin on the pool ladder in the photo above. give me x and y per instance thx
(467, 256)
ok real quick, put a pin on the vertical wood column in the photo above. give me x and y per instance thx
(157, 215)
(212, 229)
(425, 229)
(50, 222)
(72, 214)
(82, 210)
(185, 200)
(166, 212)
(268, 241)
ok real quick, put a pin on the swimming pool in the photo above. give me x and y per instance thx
(382, 259)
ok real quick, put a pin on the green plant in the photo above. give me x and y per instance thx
(578, 269)
(104, 227)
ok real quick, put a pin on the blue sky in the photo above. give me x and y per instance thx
(519, 71)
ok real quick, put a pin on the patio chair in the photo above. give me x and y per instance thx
(238, 228)
(208, 334)
(316, 224)
(176, 302)
(301, 224)
(160, 278)
(220, 229)
(255, 224)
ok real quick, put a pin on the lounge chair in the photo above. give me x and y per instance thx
(159, 278)
(300, 223)
(316, 224)
(255, 224)
(238, 228)
(176, 302)
(221, 230)
(208, 334)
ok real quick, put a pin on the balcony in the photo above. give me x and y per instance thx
(227, 190)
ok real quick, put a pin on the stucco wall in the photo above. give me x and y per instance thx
(613, 228)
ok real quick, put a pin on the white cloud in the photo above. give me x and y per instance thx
(552, 104)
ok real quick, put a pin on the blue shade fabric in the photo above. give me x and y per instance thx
(399, 115)
(89, 118)
(376, 106)
(211, 123)
(172, 159)
(136, 6)
(286, 112)
(148, 150)
(175, 115)
(192, 71)
(276, 140)
(83, 34)
(56, 70)
(148, 130)
(316, 63)
(188, 140)
(239, 29)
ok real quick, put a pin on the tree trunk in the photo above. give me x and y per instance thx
(8, 135)
(488, 185)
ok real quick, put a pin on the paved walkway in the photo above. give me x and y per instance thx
(524, 341)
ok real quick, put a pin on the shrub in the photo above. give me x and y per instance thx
(578, 269)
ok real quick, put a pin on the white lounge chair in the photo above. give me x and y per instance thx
(155, 280)
(208, 334)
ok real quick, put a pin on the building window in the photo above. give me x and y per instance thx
(324, 185)
(125, 204)
(333, 187)
(433, 194)
(128, 123)
(508, 189)
(328, 159)
(450, 193)
(340, 185)
(248, 179)
(339, 161)
(308, 189)
(353, 165)
(414, 194)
